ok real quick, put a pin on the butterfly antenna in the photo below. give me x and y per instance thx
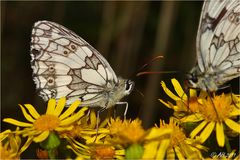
(139, 92)
(154, 72)
(211, 94)
(148, 63)
(144, 66)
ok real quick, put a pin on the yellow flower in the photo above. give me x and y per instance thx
(168, 140)
(211, 113)
(126, 131)
(216, 113)
(40, 126)
(95, 151)
(86, 129)
(10, 145)
(184, 104)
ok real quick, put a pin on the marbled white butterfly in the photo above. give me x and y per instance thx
(65, 65)
(218, 45)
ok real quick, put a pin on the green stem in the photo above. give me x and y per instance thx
(228, 147)
(51, 154)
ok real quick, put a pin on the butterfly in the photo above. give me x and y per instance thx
(218, 45)
(65, 65)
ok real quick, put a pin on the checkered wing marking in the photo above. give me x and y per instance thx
(66, 65)
(218, 47)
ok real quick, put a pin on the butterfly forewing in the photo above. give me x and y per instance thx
(218, 47)
(64, 65)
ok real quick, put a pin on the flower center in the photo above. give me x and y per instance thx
(103, 152)
(217, 108)
(127, 131)
(46, 122)
(177, 137)
(193, 104)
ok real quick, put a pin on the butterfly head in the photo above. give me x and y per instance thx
(205, 81)
(192, 80)
(124, 87)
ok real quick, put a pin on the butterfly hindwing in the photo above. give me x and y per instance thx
(218, 40)
(66, 65)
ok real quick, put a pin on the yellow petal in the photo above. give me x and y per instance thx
(164, 144)
(73, 117)
(60, 106)
(233, 125)
(26, 145)
(17, 123)
(179, 154)
(26, 115)
(70, 110)
(193, 92)
(198, 129)
(93, 119)
(4, 134)
(93, 131)
(170, 154)
(235, 111)
(169, 93)
(150, 150)
(220, 134)
(207, 132)
(65, 128)
(179, 89)
(32, 111)
(120, 152)
(94, 139)
(41, 137)
(203, 94)
(166, 104)
(103, 124)
(29, 132)
(51, 106)
(192, 118)
(158, 133)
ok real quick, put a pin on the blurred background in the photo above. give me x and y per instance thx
(127, 34)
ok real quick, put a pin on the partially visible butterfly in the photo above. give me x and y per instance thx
(218, 45)
(65, 65)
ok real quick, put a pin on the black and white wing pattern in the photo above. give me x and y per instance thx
(65, 65)
(218, 45)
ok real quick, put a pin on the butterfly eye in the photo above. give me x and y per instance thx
(128, 86)
(194, 78)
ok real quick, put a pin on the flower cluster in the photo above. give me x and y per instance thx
(77, 132)
(207, 117)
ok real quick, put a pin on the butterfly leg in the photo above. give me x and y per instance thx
(126, 108)
(88, 113)
(114, 112)
(98, 121)
(98, 116)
